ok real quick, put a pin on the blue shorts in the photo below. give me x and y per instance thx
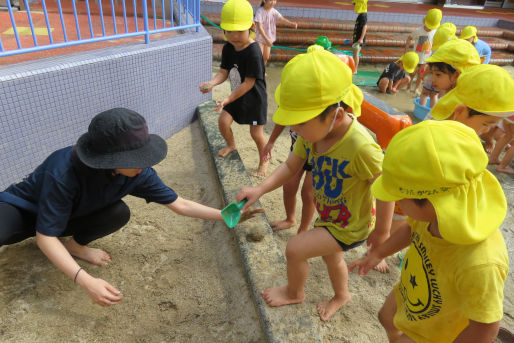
(344, 246)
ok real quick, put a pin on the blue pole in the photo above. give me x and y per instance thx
(163, 15)
(125, 16)
(154, 16)
(76, 18)
(29, 16)
(47, 22)
(113, 17)
(101, 16)
(145, 19)
(89, 19)
(135, 13)
(62, 21)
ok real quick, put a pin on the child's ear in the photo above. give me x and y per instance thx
(454, 77)
(460, 113)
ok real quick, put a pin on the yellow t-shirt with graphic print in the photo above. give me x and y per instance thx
(340, 178)
(442, 285)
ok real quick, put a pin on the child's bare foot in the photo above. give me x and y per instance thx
(226, 150)
(382, 267)
(507, 170)
(92, 255)
(262, 169)
(282, 224)
(279, 296)
(488, 146)
(326, 309)
(302, 229)
(494, 162)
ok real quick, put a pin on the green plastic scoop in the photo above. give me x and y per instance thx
(232, 213)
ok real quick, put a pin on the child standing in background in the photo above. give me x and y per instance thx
(453, 275)
(266, 18)
(469, 33)
(359, 31)
(241, 60)
(422, 38)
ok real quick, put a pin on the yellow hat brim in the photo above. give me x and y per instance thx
(380, 191)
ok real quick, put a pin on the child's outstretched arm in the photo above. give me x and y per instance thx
(220, 77)
(277, 130)
(244, 87)
(398, 241)
(193, 209)
(279, 176)
(288, 22)
(478, 332)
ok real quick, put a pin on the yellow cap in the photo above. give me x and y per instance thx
(410, 61)
(433, 18)
(236, 15)
(310, 83)
(444, 33)
(468, 32)
(458, 53)
(445, 163)
(361, 6)
(315, 47)
(486, 88)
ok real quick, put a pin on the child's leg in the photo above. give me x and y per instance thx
(504, 165)
(386, 315)
(224, 122)
(266, 53)
(308, 206)
(409, 86)
(494, 158)
(383, 84)
(312, 243)
(289, 197)
(489, 137)
(356, 59)
(402, 83)
(257, 133)
(338, 272)
(419, 79)
(434, 97)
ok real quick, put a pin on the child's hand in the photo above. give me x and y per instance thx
(100, 291)
(295, 25)
(221, 104)
(251, 194)
(206, 87)
(269, 42)
(245, 215)
(365, 264)
(266, 152)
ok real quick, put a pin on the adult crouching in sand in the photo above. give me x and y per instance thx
(77, 191)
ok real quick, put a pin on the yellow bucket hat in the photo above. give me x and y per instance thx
(468, 32)
(236, 15)
(445, 163)
(433, 18)
(410, 61)
(310, 83)
(444, 33)
(458, 53)
(361, 6)
(486, 88)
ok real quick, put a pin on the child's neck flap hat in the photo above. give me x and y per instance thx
(310, 83)
(361, 6)
(468, 32)
(485, 88)
(236, 15)
(410, 61)
(445, 163)
(444, 33)
(458, 53)
(433, 18)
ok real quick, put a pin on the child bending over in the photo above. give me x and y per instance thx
(393, 77)
(241, 60)
(345, 161)
(453, 275)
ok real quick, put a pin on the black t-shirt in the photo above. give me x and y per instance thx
(362, 19)
(393, 72)
(252, 107)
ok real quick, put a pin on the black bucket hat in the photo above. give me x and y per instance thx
(118, 138)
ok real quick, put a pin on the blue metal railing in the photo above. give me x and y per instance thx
(174, 15)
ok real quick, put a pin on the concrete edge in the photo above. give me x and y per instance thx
(263, 261)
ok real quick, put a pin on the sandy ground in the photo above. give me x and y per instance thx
(182, 278)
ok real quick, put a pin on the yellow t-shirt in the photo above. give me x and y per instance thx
(443, 285)
(361, 6)
(340, 179)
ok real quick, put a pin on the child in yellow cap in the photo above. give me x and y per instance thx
(423, 38)
(394, 76)
(453, 275)
(359, 30)
(314, 98)
(444, 33)
(469, 33)
(242, 62)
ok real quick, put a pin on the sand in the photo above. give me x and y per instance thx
(182, 278)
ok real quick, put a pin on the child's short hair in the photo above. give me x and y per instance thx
(458, 53)
(330, 108)
(443, 67)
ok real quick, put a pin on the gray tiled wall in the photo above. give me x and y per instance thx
(47, 104)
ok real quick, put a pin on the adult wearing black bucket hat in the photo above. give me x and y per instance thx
(77, 192)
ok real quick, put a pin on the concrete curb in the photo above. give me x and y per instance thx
(264, 262)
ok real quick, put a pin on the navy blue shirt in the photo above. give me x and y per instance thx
(61, 189)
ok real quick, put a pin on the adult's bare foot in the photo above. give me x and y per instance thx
(225, 151)
(92, 255)
(507, 170)
(278, 296)
(262, 169)
(326, 309)
(382, 267)
(282, 224)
